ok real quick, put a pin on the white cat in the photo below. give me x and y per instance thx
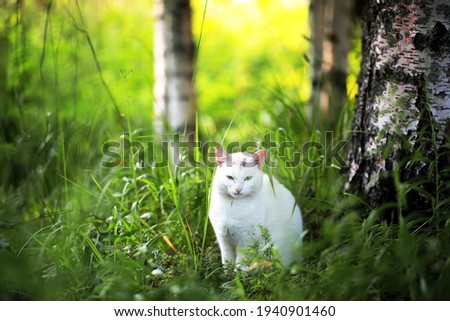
(242, 198)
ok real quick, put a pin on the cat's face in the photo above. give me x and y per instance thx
(239, 175)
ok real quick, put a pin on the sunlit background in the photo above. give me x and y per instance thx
(249, 52)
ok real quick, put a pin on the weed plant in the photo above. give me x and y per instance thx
(140, 232)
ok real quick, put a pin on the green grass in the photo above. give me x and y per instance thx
(128, 233)
(71, 229)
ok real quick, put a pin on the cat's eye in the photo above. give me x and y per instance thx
(248, 178)
(230, 177)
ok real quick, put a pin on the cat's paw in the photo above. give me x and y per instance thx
(242, 267)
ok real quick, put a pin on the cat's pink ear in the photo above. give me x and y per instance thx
(260, 157)
(221, 156)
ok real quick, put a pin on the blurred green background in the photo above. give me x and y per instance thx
(71, 229)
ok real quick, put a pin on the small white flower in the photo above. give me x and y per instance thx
(139, 297)
(157, 272)
(142, 249)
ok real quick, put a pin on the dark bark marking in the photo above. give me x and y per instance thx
(437, 39)
(444, 9)
(420, 41)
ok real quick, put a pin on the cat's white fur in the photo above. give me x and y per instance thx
(242, 198)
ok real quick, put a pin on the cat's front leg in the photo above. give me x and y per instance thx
(248, 245)
(227, 250)
(240, 259)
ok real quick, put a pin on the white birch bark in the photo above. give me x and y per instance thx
(175, 101)
(404, 90)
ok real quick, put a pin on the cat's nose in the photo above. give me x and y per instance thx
(238, 189)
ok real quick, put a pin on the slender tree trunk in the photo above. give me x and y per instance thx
(4, 56)
(331, 25)
(175, 99)
(403, 104)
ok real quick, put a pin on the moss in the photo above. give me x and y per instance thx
(392, 40)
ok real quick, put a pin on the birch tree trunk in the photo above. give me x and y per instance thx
(331, 26)
(175, 99)
(403, 104)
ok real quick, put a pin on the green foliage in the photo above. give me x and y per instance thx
(247, 50)
(71, 229)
